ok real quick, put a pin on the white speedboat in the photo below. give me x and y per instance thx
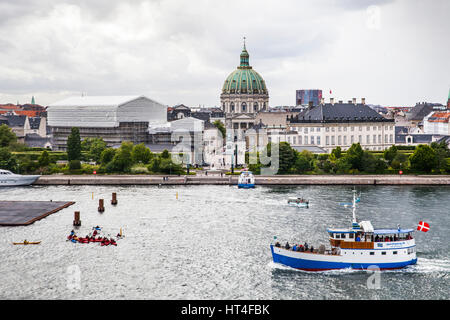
(298, 202)
(9, 179)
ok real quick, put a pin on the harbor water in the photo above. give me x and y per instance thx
(212, 242)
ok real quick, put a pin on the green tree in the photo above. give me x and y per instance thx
(442, 153)
(107, 155)
(7, 160)
(400, 162)
(342, 165)
(423, 159)
(44, 159)
(337, 152)
(287, 158)
(219, 125)
(96, 149)
(154, 165)
(169, 167)
(74, 145)
(122, 160)
(7, 137)
(165, 154)
(302, 164)
(354, 156)
(141, 154)
(371, 164)
(390, 154)
(74, 165)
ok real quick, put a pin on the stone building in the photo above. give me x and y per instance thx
(113, 118)
(341, 124)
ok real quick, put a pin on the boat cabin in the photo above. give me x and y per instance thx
(363, 236)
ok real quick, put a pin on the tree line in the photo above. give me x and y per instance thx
(434, 158)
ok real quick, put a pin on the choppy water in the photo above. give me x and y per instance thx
(213, 243)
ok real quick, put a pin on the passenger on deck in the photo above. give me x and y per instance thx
(287, 246)
(294, 248)
(312, 249)
(277, 244)
(358, 239)
(306, 246)
(301, 249)
(377, 238)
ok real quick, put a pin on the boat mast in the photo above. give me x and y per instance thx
(354, 222)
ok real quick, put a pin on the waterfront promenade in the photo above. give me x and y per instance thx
(232, 180)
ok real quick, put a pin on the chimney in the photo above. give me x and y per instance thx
(354, 101)
(332, 100)
(363, 100)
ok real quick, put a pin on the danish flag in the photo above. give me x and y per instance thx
(423, 226)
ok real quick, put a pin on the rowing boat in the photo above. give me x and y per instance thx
(26, 242)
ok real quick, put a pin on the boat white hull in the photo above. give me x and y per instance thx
(17, 180)
(348, 258)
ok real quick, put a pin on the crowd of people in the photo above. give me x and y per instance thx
(300, 248)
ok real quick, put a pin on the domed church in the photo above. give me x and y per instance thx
(244, 94)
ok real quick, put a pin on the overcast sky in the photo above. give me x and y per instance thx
(177, 51)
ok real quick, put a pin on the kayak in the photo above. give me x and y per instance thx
(25, 243)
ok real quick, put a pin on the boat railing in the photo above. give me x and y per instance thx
(315, 251)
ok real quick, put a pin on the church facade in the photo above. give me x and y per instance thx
(244, 94)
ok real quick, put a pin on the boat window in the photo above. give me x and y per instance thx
(383, 253)
(343, 236)
(338, 236)
(395, 252)
(351, 235)
(372, 253)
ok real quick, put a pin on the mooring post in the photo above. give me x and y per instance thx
(101, 207)
(76, 220)
(114, 199)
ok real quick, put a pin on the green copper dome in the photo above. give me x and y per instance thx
(244, 80)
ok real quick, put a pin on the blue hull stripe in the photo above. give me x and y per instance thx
(324, 265)
(246, 186)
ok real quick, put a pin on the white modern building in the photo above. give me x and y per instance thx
(113, 118)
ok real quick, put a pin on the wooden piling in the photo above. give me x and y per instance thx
(101, 207)
(114, 199)
(76, 220)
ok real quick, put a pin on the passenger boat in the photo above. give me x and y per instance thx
(26, 242)
(298, 202)
(246, 180)
(9, 179)
(358, 247)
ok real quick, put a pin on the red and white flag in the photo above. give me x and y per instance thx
(423, 226)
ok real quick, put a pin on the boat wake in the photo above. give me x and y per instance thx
(423, 265)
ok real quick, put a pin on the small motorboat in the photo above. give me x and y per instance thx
(246, 180)
(8, 179)
(298, 202)
(27, 242)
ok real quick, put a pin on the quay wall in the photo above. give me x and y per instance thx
(232, 180)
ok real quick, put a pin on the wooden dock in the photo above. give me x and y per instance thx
(22, 213)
